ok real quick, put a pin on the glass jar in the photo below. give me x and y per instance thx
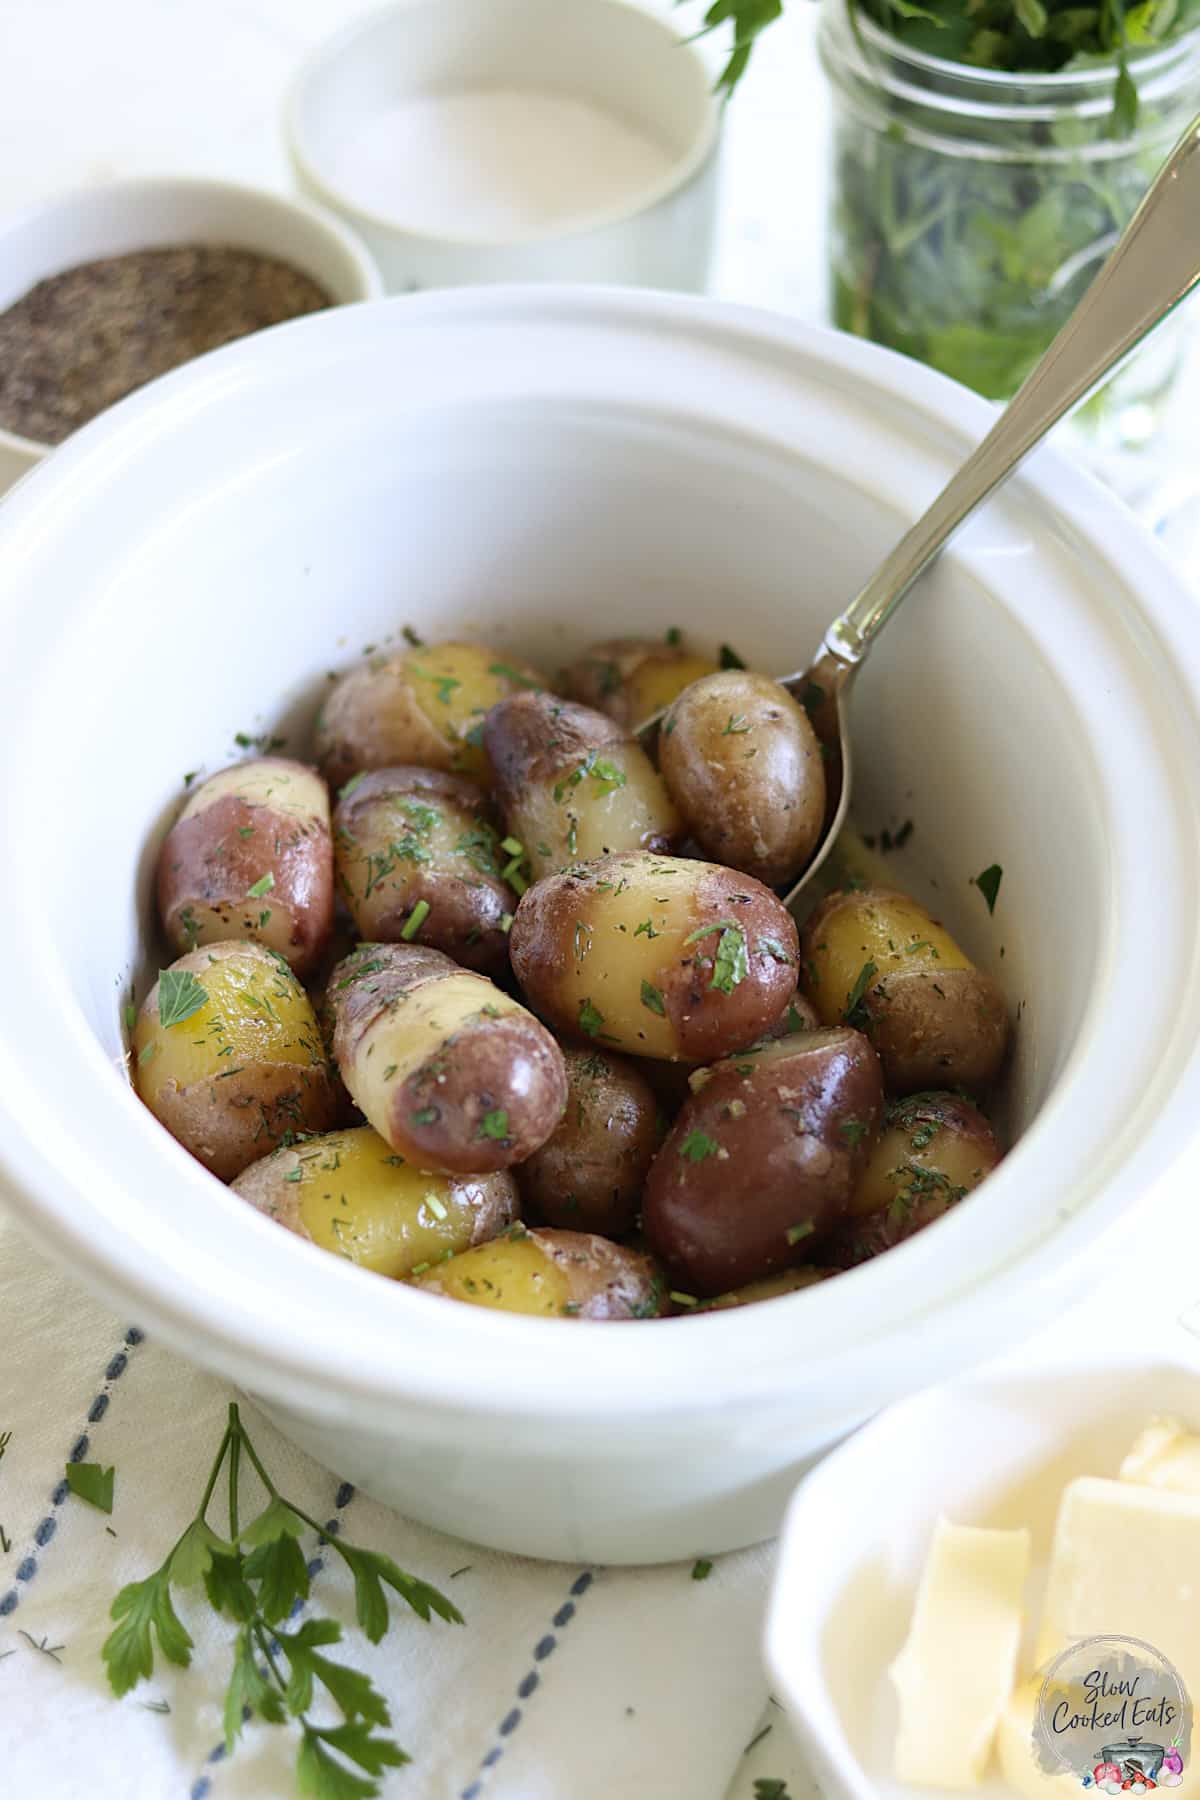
(971, 208)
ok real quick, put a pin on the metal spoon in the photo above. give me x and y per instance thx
(1154, 265)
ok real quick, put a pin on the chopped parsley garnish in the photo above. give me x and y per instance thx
(129, 1015)
(683, 1299)
(508, 673)
(445, 684)
(703, 931)
(390, 1071)
(856, 1013)
(262, 886)
(414, 921)
(988, 884)
(729, 659)
(354, 782)
(775, 950)
(732, 965)
(736, 725)
(590, 1020)
(179, 996)
(88, 1481)
(652, 997)
(426, 1116)
(600, 769)
(697, 1146)
(854, 1131)
(796, 1234)
(674, 636)
(646, 929)
(494, 1125)
(701, 1569)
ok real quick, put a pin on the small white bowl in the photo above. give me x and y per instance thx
(994, 1449)
(86, 224)
(613, 56)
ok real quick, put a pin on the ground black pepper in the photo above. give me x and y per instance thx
(82, 340)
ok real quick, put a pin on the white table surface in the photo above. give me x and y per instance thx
(102, 88)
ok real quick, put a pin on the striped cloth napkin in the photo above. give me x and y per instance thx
(564, 1683)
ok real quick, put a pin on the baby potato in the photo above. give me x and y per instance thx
(250, 856)
(762, 1161)
(589, 1175)
(631, 679)
(418, 858)
(571, 785)
(425, 705)
(227, 1054)
(350, 1193)
(876, 959)
(453, 1073)
(790, 1281)
(560, 1274)
(655, 955)
(743, 765)
(933, 1149)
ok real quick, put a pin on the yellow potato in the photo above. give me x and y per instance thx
(631, 679)
(228, 1055)
(875, 959)
(425, 706)
(571, 787)
(656, 955)
(352, 1194)
(555, 1274)
(771, 1287)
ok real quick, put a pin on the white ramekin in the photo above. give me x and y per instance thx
(604, 51)
(543, 467)
(114, 217)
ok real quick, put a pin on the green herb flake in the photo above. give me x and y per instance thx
(683, 1299)
(646, 929)
(795, 1234)
(88, 1481)
(988, 884)
(697, 1146)
(262, 886)
(427, 1115)
(494, 1125)
(702, 1568)
(732, 964)
(736, 725)
(856, 1013)
(652, 998)
(591, 1021)
(674, 636)
(180, 995)
(729, 659)
(854, 1131)
(506, 672)
(414, 921)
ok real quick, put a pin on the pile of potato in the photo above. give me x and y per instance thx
(548, 1058)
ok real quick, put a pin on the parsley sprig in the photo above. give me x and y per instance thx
(254, 1576)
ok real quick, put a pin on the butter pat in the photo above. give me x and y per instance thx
(951, 1701)
(1166, 1455)
(1018, 1757)
(1126, 1562)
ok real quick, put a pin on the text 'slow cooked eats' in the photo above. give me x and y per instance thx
(487, 1001)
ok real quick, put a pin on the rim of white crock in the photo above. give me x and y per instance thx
(467, 1360)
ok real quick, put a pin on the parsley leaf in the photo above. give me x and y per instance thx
(262, 886)
(732, 964)
(141, 1609)
(590, 1020)
(652, 997)
(856, 1013)
(697, 1145)
(988, 884)
(729, 659)
(372, 1571)
(494, 1125)
(179, 996)
(88, 1481)
(701, 1569)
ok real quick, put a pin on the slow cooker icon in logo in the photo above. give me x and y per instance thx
(1114, 1713)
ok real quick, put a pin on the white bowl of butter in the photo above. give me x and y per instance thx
(538, 140)
(969, 1543)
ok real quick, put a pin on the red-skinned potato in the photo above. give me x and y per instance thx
(655, 956)
(588, 1176)
(876, 959)
(552, 1274)
(763, 1159)
(250, 856)
(423, 705)
(934, 1149)
(418, 859)
(742, 763)
(631, 679)
(571, 785)
(227, 1054)
(450, 1070)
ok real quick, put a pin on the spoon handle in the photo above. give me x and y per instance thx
(1155, 265)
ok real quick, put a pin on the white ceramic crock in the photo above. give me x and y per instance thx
(115, 217)
(543, 468)
(614, 55)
